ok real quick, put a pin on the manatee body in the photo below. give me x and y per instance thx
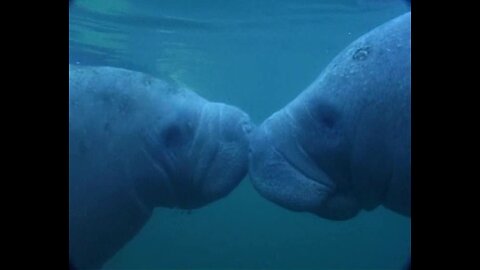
(137, 142)
(344, 143)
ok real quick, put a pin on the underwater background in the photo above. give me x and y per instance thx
(257, 55)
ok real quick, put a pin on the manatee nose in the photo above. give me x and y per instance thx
(235, 125)
(247, 127)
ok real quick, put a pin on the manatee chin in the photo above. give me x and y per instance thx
(343, 144)
(136, 143)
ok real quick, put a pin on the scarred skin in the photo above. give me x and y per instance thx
(344, 143)
(136, 143)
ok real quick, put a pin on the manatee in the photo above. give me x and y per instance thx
(137, 142)
(344, 144)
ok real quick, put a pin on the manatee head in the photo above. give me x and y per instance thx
(343, 144)
(165, 142)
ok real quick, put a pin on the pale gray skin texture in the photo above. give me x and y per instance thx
(135, 143)
(344, 143)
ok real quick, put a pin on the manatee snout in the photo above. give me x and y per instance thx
(289, 178)
(221, 156)
(201, 154)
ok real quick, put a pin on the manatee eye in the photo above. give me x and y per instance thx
(173, 136)
(325, 114)
(328, 120)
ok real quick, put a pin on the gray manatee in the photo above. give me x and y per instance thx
(344, 143)
(137, 142)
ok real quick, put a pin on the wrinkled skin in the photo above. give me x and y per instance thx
(135, 143)
(344, 143)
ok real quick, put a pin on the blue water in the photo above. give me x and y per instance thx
(257, 55)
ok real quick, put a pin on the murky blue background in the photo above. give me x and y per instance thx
(257, 55)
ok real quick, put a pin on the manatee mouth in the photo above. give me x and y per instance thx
(283, 180)
(283, 183)
(293, 181)
(319, 178)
